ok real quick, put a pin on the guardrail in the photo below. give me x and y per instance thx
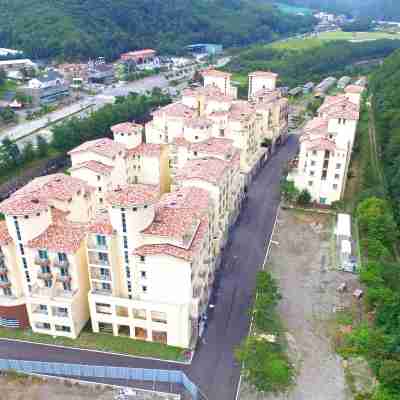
(98, 371)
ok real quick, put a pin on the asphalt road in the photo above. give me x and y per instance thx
(214, 368)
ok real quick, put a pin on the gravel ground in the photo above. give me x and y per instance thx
(33, 388)
(301, 262)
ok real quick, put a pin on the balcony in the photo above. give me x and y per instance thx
(43, 262)
(60, 263)
(5, 284)
(103, 292)
(94, 245)
(99, 276)
(63, 278)
(44, 275)
(3, 269)
(98, 261)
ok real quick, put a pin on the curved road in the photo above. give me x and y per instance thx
(214, 368)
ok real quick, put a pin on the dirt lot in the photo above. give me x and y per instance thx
(302, 264)
(14, 387)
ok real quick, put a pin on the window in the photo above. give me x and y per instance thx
(313, 163)
(134, 209)
(322, 200)
(63, 328)
(126, 255)
(123, 218)
(222, 132)
(160, 317)
(195, 153)
(142, 258)
(101, 241)
(62, 257)
(125, 242)
(47, 283)
(21, 248)
(143, 274)
(129, 287)
(144, 289)
(312, 173)
(7, 292)
(42, 325)
(338, 166)
(42, 307)
(102, 308)
(105, 286)
(310, 183)
(24, 262)
(67, 286)
(337, 176)
(139, 313)
(45, 270)
(43, 255)
(335, 186)
(98, 177)
(196, 137)
(99, 188)
(314, 152)
(103, 258)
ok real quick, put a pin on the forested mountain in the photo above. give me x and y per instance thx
(385, 90)
(381, 9)
(87, 28)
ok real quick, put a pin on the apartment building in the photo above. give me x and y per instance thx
(326, 147)
(108, 163)
(149, 264)
(213, 111)
(43, 257)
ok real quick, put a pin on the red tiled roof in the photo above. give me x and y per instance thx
(320, 144)
(267, 74)
(209, 169)
(146, 149)
(173, 223)
(61, 235)
(175, 251)
(125, 127)
(215, 146)
(187, 197)
(132, 195)
(105, 147)
(36, 195)
(5, 237)
(175, 110)
(216, 73)
(316, 124)
(354, 89)
(101, 224)
(94, 166)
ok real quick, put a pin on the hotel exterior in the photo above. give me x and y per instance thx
(326, 146)
(133, 238)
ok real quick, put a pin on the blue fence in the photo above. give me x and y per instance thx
(96, 371)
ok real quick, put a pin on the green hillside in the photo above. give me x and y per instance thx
(87, 28)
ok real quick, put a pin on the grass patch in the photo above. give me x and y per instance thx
(8, 86)
(340, 35)
(102, 342)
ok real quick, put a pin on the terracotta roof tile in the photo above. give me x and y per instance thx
(175, 251)
(105, 147)
(94, 166)
(267, 74)
(133, 195)
(354, 89)
(209, 169)
(101, 224)
(125, 127)
(216, 73)
(146, 149)
(36, 196)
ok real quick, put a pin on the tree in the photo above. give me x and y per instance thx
(28, 152)
(42, 146)
(11, 154)
(8, 115)
(304, 198)
(289, 191)
(3, 76)
(389, 374)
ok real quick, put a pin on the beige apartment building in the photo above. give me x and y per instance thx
(326, 146)
(44, 268)
(133, 238)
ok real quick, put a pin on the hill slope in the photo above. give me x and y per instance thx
(381, 9)
(87, 28)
